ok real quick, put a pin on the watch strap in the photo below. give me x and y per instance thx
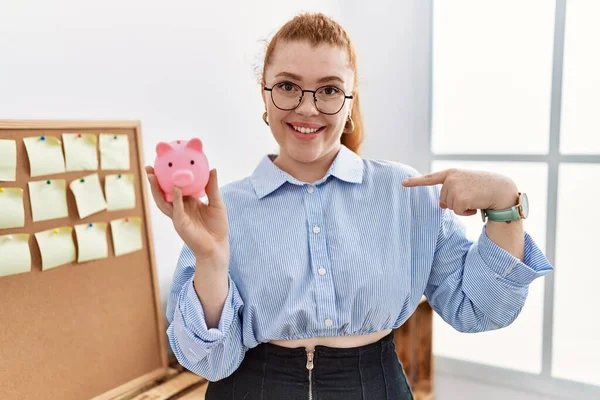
(509, 214)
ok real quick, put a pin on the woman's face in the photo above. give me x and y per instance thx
(306, 135)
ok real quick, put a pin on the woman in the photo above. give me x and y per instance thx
(291, 280)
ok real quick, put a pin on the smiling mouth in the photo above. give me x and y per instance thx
(305, 130)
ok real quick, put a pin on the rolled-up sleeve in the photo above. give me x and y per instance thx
(213, 353)
(479, 286)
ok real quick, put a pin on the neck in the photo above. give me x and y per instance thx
(306, 171)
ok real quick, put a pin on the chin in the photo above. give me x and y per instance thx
(309, 152)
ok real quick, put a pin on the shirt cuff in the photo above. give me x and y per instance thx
(534, 264)
(191, 315)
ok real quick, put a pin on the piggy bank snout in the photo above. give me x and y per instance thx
(183, 177)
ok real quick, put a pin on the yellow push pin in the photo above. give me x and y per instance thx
(55, 231)
(1, 190)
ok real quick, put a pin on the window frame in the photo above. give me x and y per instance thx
(543, 383)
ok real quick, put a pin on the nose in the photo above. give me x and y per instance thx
(183, 177)
(307, 106)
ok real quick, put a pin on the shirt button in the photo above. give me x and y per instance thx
(328, 322)
(322, 271)
(310, 189)
(316, 229)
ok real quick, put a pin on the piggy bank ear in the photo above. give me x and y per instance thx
(194, 144)
(163, 148)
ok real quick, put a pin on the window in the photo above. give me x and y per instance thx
(516, 90)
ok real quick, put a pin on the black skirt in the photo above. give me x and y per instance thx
(270, 372)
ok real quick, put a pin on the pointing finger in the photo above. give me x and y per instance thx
(434, 178)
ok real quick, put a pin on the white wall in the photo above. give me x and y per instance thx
(392, 38)
(186, 68)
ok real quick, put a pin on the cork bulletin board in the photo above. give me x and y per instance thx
(80, 313)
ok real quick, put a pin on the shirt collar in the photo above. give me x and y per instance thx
(267, 177)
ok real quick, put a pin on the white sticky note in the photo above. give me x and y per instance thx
(91, 241)
(48, 199)
(80, 151)
(12, 210)
(88, 195)
(126, 235)
(45, 155)
(56, 246)
(114, 151)
(120, 191)
(16, 256)
(8, 160)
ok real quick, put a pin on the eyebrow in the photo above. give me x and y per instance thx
(298, 78)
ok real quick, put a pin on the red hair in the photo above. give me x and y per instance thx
(320, 29)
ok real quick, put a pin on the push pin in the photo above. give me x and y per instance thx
(79, 135)
(119, 176)
(82, 180)
(90, 225)
(43, 138)
(48, 182)
(115, 137)
(126, 219)
(55, 231)
(1, 190)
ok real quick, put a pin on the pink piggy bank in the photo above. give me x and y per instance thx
(183, 164)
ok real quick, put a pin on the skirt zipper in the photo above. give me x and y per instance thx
(310, 354)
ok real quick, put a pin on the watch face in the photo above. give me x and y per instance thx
(525, 205)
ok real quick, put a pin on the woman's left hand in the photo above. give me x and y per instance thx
(466, 191)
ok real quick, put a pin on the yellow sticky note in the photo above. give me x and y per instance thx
(91, 241)
(8, 160)
(114, 151)
(56, 246)
(48, 199)
(80, 151)
(88, 195)
(12, 212)
(16, 257)
(126, 235)
(45, 155)
(120, 191)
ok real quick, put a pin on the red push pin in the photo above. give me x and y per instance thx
(126, 219)
(79, 135)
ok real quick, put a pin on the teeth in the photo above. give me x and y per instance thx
(305, 130)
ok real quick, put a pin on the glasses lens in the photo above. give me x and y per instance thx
(286, 95)
(330, 99)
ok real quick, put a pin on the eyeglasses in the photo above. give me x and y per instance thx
(288, 96)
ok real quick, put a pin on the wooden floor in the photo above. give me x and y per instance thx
(413, 344)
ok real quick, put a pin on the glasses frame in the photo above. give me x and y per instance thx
(314, 96)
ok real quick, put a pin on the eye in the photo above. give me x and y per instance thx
(287, 86)
(330, 91)
(170, 164)
(192, 162)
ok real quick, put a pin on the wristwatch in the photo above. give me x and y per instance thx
(514, 213)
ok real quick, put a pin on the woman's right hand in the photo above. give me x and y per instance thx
(203, 227)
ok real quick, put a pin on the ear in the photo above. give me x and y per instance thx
(163, 148)
(194, 144)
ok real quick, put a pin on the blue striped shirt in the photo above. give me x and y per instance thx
(350, 254)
